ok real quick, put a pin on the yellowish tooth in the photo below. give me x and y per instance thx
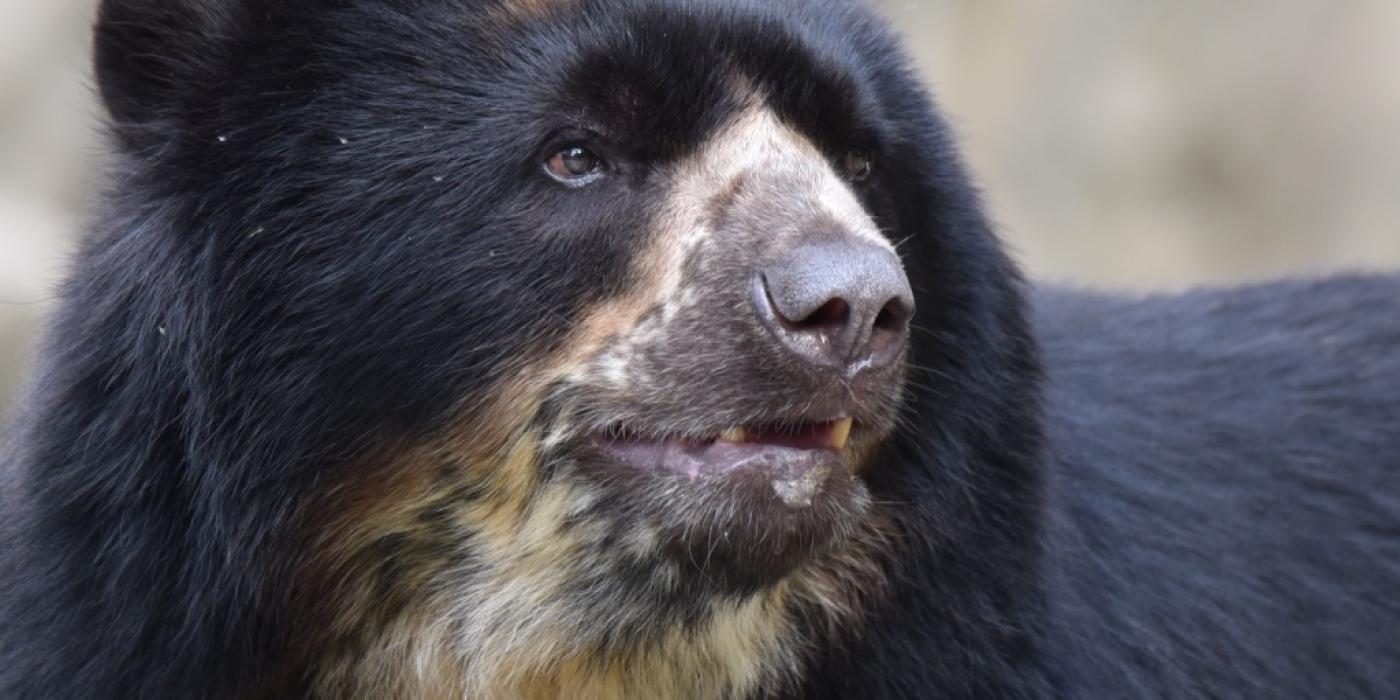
(840, 431)
(734, 435)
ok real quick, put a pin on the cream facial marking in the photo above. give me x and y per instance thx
(757, 185)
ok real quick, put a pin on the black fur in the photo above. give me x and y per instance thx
(1219, 517)
(327, 231)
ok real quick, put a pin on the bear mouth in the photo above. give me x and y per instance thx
(742, 506)
(726, 450)
(795, 457)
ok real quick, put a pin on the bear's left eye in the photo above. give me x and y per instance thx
(857, 164)
(574, 165)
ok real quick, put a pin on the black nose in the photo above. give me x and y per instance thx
(839, 303)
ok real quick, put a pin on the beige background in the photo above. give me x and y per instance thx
(1139, 145)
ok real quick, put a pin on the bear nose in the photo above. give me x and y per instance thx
(838, 303)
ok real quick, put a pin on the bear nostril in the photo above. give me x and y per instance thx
(892, 316)
(832, 314)
(891, 326)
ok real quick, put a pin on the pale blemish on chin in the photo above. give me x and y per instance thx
(798, 491)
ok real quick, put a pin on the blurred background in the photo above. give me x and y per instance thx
(1130, 145)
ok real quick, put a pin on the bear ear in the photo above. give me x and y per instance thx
(149, 53)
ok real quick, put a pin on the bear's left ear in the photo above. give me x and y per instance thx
(148, 53)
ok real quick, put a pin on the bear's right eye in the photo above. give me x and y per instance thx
(574, 165)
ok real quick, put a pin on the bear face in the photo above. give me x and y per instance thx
(503, 348)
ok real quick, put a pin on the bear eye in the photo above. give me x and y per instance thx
(856, 163)
(574, 165)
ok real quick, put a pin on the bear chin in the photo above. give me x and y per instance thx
(741, 517)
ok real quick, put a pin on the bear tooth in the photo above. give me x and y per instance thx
(734, 435)
(840, 431)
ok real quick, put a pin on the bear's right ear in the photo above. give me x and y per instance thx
(148, 54)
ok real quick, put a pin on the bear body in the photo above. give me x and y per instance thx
(1205, 454)
(513, 348)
